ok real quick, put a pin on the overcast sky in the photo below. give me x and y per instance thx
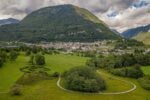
(118, 14)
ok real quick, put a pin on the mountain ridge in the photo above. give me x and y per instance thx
(8, 21)
(135, 31)
(58, 23)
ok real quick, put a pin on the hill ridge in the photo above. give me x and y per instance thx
(66, 23)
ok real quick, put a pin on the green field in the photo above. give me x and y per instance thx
(10, 72)
(61, 62)
(48, 90)
(146, 70)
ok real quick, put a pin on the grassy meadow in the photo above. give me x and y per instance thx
(10, 72)
(62, 62)
(146, 70)
(48, 90)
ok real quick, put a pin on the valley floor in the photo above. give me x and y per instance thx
(48, 89)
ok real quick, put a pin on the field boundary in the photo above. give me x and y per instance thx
(101, 93)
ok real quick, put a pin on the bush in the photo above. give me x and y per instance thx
(13, 55)
(55, 74)
(28, 52)
(1, 62)
(3, 57)
(16, 89)
(40, 59)
(29, 78)
(94, 62)
(145, 82)
(120, 61)
(133, 72)
(83, 79)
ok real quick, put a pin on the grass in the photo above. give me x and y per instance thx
(10, 72)
(144, 37)
(146, 70)
(61, 62)
(47, 89)
(114, 85)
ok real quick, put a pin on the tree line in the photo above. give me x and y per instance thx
(119, 61)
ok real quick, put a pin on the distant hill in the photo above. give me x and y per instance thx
(58, 23)
(8, 21)
(134, 31)
(143, 37)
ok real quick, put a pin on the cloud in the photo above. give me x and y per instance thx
(128, 13)
(128, 18)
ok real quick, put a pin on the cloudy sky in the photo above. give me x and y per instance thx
(118, 14)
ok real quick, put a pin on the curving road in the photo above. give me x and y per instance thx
(102, 93)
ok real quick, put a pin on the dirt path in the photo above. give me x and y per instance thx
(102, 93)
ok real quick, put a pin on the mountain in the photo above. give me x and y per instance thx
(134, 31)
(8, 21)
(58, 23)
(115, 31)
(143, 37)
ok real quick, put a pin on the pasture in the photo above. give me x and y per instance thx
(48, 90)
(146, 70)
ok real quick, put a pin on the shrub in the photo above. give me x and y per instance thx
(55, 74)
(28, 52)
(3, 57)
(94, 62)
(133, 72)
(145, 82)
(40, 59)
(16, 89)
(1, 62)
(29, 78)
(120, 61)
(83, 79)
(13, 55)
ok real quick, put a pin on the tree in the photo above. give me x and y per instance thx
(1, 62)
(28, 52)
(31, 61)
(135, 72)
(132, 72)
(3, 57)
(145, 82)
(120, 61)
(83, 79)
(13, 55)
(40, 59)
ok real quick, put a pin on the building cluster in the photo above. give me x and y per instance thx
(71, 46)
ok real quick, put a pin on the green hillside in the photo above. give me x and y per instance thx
(144, 37)
(58, 23)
